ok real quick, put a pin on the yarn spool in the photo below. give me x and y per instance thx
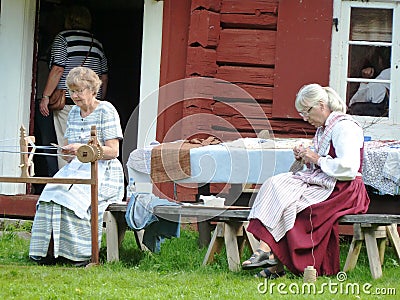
(310, 274)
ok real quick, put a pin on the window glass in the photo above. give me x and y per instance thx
(369, 60)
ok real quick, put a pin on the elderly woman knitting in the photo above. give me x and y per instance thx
(295, 215)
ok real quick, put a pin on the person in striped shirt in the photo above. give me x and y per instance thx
(295, 214)
(72, 47)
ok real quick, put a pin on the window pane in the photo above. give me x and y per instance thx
(371, 24)
(369, 62)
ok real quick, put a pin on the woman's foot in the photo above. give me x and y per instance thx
(46, 261)
(260, 258)
(74, 263)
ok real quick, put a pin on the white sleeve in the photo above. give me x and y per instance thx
(360, 95)
(376, 92)
(347, 139)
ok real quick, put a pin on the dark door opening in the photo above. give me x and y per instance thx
(118, 24)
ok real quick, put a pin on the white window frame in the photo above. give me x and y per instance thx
(376, 127)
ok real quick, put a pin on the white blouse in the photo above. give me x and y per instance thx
(347, 139)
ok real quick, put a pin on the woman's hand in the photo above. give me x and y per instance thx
(307, 155)
(43, 106)
(70, 150)
(296, 152)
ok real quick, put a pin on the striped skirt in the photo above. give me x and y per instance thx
(71, 235)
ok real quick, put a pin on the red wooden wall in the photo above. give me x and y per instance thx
(267, 48)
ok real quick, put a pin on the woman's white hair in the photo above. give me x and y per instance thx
(311, 94)
(83, 77)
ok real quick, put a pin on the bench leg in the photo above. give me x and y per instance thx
(394, 238)
(112, 237)
(216, 243)
(373, 253)
(353, 254)
(204, 228)
(381, 248)
(232, 250)
(139, 239)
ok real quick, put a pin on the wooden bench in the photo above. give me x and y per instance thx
(374, 229)
(230, 231)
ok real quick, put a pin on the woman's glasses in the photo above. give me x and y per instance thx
(306, 113)
(79, 92)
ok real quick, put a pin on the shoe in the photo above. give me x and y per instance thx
(74, 263)
(266, 273)
(44, 261)
(260, 258)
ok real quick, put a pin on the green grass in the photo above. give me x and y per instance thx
(175, 273)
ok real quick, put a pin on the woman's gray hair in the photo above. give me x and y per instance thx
(83, 77)
(311, 94)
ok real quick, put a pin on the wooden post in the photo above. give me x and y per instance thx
(94, 202)
(24, 156)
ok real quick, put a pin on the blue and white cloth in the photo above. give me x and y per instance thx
(139, 215)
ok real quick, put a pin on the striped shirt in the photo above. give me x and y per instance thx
(69, 50)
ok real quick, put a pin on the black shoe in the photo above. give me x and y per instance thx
(74, 263)
(266, 273)
(45, 261)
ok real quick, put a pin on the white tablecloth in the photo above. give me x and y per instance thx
(224, 163)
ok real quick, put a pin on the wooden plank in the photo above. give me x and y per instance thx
(204, 28)
(210, 88)
(201, 61)
(260, 21)
(247, 109)
(242, 74)
(45, 180)
(377, 219)
(247, 47)
(18, 206)
(280, 129)
(258, 92)
(213, 5)
(250, 7)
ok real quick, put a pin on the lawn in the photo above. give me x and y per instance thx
(177, 273)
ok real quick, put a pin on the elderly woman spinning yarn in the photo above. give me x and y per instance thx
(295, 215)
(61, 229)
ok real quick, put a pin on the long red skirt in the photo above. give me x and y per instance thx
(316, 242)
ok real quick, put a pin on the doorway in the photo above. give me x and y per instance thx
(118, 24)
